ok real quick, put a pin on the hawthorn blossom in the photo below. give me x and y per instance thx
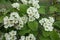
(47, 23)
(6, 22)
(11, 35)
(29, 37)
(35, 3)
(33, 13)
(16, 5)
(24, 19)
(24, 1)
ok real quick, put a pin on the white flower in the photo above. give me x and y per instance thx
(16, 5)
(31, 18)
(22, 38)
(32, 37)
(12, 33)
(32, 13)
(24, 1)
(32, 1)
(51, 19)
(11, 21)
(15, 14)
(16, 17)
(36, 5)
(48, 28)
(6, 22)
(36, 15)
(14, 38)
(47, 23)
(7, 36)
(20, 24)
(43, 20)
(27, 38)
(24, 18)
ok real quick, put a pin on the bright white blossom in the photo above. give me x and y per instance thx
(16, 5)
(6, 22)
(11, 21)
(31, 18)
(51, 19)
(24, 1)
(47, 23)
(15, 14)
(22, 38)
(11, 35)
(36, 15)
(34, 3)
(24, 19)
(30, 37)
(20, 24)
(14, 20)
(33, 13)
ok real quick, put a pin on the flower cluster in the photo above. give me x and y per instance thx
(16, 5)
(30, 37)
(14, 20)
(47, 23)
(34, 3)
(11, 35)
(24, 2)
(32, 13)
(17, 21)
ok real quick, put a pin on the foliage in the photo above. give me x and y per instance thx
(34, 27)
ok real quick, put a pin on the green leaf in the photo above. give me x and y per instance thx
(57, 24)
(54, 35)
(44, 38)
(52, 9)
(58, 17)
(34, 32)
(33, 25)
(24, 30)
(45, 33)
(42, 10)
(23, 9)
(1, 19)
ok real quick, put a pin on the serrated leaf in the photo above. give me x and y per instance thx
(1, 19)
(33, 25)
(34, 32)
(54, 35)
(24, 30)
(57, 24)
(23, 9)
(45, 33)
(42, 10)
(44, 38)
(58, 17)
(52, 9)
